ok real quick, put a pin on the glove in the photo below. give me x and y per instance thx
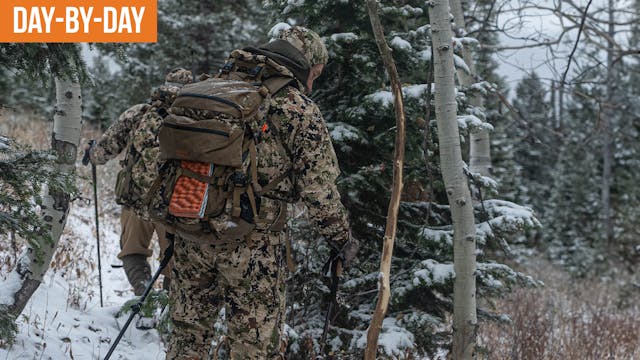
(86, 159)
(349, 251)
(341, 257)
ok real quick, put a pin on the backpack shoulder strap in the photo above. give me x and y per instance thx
(275, 83)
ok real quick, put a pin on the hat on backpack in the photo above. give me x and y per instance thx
(308, 42)
(178, 76)
(173, 82)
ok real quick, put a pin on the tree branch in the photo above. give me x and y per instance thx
(394, 204)
(575, 46)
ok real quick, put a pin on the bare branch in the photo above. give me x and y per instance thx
(575, 46)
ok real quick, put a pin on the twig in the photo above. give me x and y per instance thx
(575, 46)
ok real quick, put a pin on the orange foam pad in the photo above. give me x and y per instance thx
(189, 198)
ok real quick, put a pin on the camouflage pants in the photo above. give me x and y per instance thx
(227, 300)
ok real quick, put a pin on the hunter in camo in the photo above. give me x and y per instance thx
(136, 131)
(227, 299)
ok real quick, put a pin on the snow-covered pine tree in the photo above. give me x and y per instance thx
(574, 228)
(628, 158)
(356, 102)
(63, 62)
(526, 149)
(593, 210)
(25, 83)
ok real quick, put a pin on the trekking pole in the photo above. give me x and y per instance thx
(85, 161)
(336, 273)
(135, 309)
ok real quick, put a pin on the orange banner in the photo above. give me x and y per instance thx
(78, 21)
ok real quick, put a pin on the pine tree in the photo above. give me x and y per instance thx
(354, 97)
(594, 209)
(63, 62)
(534, 145)
(575, 229)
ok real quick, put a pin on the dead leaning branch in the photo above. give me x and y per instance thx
(394, 204)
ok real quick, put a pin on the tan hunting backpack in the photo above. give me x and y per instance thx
(208, 140)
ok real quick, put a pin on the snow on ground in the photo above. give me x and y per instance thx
(64, 319)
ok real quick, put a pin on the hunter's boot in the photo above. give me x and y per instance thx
(138, 272)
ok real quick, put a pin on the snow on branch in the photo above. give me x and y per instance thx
(473, 124)
(460, 42)
(344, 37)
(400, 44)
(342, 132)
(504, 217)
(498, 277)
(394, 339)
(461, 64)
(444, 236)
(385, 98)
(405, 11)
(482, 87)
(431, 272)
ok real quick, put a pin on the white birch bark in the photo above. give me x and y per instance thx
(456, 184)
(65, 139)
(479, 140)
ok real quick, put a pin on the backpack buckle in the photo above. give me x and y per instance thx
(228, 66)
(239, 179)
(255, 71)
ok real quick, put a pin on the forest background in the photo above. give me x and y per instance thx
(556, 208)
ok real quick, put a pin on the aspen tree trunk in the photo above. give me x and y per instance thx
(479, 140)
(396, 191)
(456, 185)
(65, 139)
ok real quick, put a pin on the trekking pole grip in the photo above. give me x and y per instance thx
(87, 153)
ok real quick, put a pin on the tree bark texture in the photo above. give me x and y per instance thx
(608, 146)
(479, 140)
(66, 136)
(396, 191)
(456, 184)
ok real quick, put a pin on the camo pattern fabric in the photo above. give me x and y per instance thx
(227, 300)
(117, 136)
(228, 297)
(308, 42)
(296, 140)
(137, 131)
(144, 141)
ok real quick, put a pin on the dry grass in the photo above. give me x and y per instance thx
(568, 319)
(35, 131)
(29, 129)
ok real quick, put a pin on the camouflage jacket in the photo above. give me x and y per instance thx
(296, 140)
(137, 131)
(116, 138)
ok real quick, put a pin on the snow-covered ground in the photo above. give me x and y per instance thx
(64, 319)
